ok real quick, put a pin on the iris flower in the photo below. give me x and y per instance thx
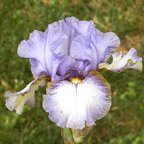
(68, 57)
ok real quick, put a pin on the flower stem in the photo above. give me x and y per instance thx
(71, 136)
(67, 136)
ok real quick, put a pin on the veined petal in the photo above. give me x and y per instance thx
(78, 42)
(80, 50)
(16, 101)
(33, 49)
(105, 44)
(121, 62)
(78, 103)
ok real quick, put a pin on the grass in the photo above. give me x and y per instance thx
(124, 124)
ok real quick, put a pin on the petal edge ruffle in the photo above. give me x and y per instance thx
(121, 62)
(16, 101)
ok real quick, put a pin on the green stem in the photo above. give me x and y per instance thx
(71, 136)
(67, 136)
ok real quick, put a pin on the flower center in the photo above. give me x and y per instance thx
(74, 76)
(76, 80)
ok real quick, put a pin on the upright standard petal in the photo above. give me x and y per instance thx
(78, 42)
(81, 50)
(105, 44)
(121, 61)
(34, 49)
(78, 103)
(16, 101)
(70, 41)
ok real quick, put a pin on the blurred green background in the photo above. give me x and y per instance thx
(18, 18)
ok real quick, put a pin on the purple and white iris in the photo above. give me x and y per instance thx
(67, 57)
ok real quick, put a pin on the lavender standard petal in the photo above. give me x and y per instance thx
(34, 50)
(105, 44)
(67, 39)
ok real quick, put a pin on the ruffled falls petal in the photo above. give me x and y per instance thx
(78, 103)
(16, 101)
(121, 61)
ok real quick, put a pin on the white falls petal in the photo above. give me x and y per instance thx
(121, 62)
(16, 101)
(76, 105)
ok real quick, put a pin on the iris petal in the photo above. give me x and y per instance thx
(72, 105)
(121, 62)
(78, 42)
(105, 44)
(16, 101)
(34, 50)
